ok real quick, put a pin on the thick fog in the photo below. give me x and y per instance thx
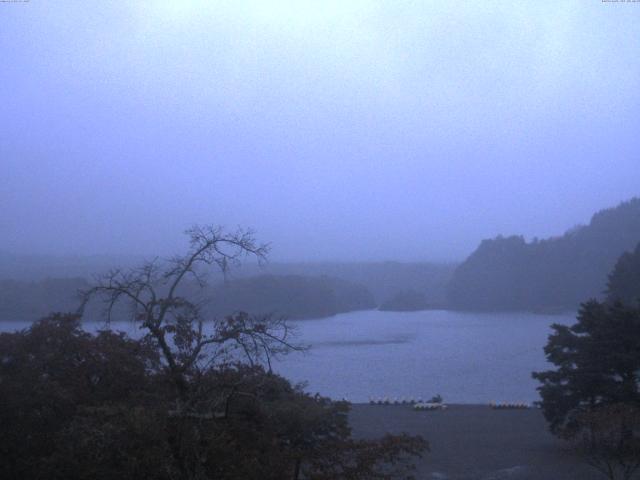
(337, 130)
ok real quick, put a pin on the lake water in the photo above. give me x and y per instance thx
(465, 357)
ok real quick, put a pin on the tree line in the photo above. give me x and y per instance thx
(509, 273)
(592, 397)
(193, 398)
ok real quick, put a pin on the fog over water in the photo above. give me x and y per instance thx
(338, 130)
(329, 239)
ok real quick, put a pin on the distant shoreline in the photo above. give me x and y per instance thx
(541, 312)
(537, 311)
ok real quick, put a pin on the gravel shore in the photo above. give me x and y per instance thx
(475, 442)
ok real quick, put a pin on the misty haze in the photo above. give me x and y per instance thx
(310, 240)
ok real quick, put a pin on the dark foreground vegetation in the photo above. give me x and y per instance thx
(192, 399)
(195, 398)
(592, 397)
(80, 406)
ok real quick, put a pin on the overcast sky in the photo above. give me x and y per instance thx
(338, 130)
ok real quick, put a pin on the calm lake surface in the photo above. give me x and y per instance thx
(465, 357)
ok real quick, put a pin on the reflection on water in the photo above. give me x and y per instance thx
(358, 343)
(465, 357)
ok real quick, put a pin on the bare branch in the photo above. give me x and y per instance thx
(176, 323)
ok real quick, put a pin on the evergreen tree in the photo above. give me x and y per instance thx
(598, 364)
(624, 281)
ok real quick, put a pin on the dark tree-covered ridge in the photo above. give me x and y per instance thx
(509, 273)
(290, 296)
(624, 280)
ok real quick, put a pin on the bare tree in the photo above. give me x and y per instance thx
(191, 346)
(189, 343)
(214, 392)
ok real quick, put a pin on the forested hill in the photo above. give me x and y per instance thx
(384, 279)
(508, 273)
(624, 280)
(289, 296)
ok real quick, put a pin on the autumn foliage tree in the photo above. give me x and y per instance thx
(62, 388)
(193, 398)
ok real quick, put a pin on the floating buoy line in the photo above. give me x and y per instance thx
(419, 404)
